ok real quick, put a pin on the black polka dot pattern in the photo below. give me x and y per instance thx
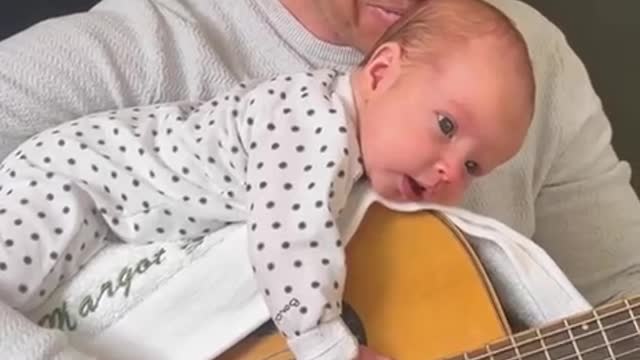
(178, 171)
(40, 221)
(103, 174)
(302, 163)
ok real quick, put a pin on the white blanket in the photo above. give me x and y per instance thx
(193, 300)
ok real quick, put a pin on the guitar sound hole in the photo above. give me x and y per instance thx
(351, 318)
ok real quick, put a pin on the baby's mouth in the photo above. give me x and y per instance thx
(417, 188)
(411, 189)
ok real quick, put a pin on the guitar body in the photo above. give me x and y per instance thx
(414, 290)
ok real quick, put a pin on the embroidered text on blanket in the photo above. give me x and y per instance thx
(62, 319)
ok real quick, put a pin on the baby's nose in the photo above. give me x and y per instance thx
(450, 174)
(450, 186)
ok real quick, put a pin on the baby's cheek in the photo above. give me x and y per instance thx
(383, 187)
(454, 193)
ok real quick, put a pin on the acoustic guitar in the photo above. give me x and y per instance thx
(416, 290)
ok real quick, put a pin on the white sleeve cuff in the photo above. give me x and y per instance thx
(328, 341)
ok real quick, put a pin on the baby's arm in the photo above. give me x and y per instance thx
(298, 180)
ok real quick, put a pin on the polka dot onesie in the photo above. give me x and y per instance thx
(280, 155)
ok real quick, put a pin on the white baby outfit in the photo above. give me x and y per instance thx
(281, 155)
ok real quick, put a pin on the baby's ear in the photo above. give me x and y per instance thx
(383, 66)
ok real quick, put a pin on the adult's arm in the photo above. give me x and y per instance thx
(587, 213)
(121, 53)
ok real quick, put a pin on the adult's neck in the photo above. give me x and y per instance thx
(308, 13)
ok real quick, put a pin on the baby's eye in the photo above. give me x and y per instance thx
(446, 125)
(471, 167)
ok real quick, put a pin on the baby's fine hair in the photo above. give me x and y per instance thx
(432, 27)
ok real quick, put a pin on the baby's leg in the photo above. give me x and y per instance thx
(49, 228)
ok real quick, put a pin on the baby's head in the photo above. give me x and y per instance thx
(446, 95)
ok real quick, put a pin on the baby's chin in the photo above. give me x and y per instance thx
(384, 190)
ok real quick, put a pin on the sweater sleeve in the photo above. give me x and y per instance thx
(119, 54)
(587, 214)
(300, 170)
(62, 68)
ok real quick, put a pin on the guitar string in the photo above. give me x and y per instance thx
(572, 327)
(569, 357)
(605, 336)
(624, 354)
(558, 344)
(574, 344)
(594, 348)
(629, 307)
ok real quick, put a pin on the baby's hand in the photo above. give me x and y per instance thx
(364, 353)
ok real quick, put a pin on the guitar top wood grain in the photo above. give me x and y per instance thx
(414, 290)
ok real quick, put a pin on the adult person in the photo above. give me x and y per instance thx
(566, 189)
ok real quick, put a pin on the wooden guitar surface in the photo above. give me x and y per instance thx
(414, 290)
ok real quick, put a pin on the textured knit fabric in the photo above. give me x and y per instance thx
(566, 188)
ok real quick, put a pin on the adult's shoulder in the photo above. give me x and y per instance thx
(534, 26)
(545, 41)
(566, 99)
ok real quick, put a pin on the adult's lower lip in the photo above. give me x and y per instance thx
(383, 14)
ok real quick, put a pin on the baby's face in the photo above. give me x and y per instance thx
(427, 133)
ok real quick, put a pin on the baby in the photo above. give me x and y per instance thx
(446, 96)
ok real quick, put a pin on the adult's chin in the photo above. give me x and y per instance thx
(372, 24)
